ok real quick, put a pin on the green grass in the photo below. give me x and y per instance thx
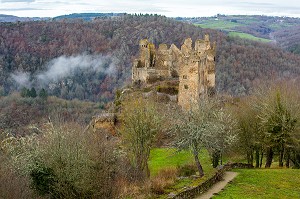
(219, 25)
(248, 36)
(279, 26)
(162, 158)
(263, 183)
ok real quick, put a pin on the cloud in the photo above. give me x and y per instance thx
(170, 8)
(9, 1)
(20, 9)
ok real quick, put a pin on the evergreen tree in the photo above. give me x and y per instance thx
(43, 94)
(33, 93)
(25, 92)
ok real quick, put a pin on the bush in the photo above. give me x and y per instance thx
(187, 170)
(165, 178)
(66, 162)
(171, 90)
(12, 184)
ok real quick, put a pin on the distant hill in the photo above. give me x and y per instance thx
(12, 18)
(283, 31)
(87, 16)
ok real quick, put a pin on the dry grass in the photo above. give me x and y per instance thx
(127, 189)
(187, 169)
(163, 179)
(13, 185)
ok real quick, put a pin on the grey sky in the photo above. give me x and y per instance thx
(171, 8)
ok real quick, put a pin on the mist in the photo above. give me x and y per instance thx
(59, 68)
(22, 78)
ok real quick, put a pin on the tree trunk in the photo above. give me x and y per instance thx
(287, 158)
(295, 159)
(198, 164)
(250, 157)
(281, 158)
(215, 159)
(261, 158)
(147, 171)
(269, 157)
(257, 158)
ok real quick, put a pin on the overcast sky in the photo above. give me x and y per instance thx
(170, 8)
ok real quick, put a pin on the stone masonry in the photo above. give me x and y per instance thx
(194, 66)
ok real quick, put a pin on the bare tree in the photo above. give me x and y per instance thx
(206, 126)
(140, 124)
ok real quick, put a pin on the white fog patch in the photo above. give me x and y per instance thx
(22, 78)
(63, 66)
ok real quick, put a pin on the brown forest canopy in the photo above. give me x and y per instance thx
(33, 51)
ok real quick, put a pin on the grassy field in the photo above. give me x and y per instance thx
(219, 25)
(248, 36)
(263, 183)
(163, 158)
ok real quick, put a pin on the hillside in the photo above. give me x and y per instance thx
(12, 18)
(26, 115)
(88, 60)
(88, 16)
(280, 30)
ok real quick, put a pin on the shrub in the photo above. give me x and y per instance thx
(162, 180)
(66, 162)
(172, 90)
(12, 184)
(187, 170)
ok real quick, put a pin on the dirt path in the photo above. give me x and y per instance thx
(228, 176)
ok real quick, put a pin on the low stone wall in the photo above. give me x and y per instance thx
(196, 191)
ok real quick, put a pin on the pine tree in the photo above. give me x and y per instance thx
(43, 94)
(33, 93)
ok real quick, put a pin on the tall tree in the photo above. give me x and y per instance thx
(204, 127)
(279, 121)
(140, 124)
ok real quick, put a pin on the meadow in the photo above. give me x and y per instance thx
(263, 183)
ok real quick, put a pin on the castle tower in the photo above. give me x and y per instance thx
(147, 53)
(146, 60)
(196, 73)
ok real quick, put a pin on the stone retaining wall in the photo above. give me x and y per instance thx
(196, 191)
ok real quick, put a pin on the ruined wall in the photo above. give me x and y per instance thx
(197, 72)
(195, 67)
(161, 63)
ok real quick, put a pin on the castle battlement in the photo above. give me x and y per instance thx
(193, 65)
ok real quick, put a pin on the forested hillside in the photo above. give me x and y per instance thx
(282, 31)
(289, 38)
(89, 60)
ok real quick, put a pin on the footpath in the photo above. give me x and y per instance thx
(219, 186)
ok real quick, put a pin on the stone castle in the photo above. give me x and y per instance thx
(194, 66)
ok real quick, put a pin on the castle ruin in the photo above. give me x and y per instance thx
(194, 66)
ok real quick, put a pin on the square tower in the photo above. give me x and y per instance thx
(196, 73)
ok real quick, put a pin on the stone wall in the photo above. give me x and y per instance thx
(218, 176)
